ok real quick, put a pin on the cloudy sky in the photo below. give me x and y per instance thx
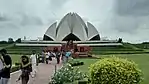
(128, 19)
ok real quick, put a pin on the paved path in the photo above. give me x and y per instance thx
(45, 71)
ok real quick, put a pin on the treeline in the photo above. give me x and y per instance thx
(10, 40)
(145, 43)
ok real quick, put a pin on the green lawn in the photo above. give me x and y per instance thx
(15, 58)
(141, 59)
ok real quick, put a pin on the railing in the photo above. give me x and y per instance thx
(109, 41)
(95, 44)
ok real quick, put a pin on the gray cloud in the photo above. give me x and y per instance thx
(3, 17)
(57, 4)
(30, 20)
(133, 7)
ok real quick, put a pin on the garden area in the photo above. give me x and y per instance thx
(140, 59)
(139, 55)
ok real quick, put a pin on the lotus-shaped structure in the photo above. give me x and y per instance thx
(71, 27)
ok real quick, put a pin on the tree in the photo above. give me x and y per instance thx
(120, 40)
(3, 42)
(10, 40)
(18, 40)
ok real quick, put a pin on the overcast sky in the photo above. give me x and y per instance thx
(128, 19)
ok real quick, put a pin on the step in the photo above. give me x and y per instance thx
(83, 55)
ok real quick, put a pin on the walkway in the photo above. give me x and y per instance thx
(45, 71)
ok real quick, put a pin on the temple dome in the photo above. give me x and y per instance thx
(71, 27)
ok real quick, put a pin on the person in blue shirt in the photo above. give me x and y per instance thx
(68, 54)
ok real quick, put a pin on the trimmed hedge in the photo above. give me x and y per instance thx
(75, 63)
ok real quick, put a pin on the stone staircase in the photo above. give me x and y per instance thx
(83, 55)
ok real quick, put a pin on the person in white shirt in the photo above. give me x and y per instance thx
(34, 63)
(50, 56)
(47, 57)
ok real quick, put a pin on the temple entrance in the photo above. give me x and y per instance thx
(71, 37)
(81, 49)
(77, 51)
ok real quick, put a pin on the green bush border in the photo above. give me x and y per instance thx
(76, 63)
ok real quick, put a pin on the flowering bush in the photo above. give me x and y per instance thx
(67, 74)
(115, 70)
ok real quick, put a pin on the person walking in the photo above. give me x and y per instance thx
(68, 55)
(5, 71)
(50, 56)
(47, 57)
(1, 66)
(34, 62)
(58, 55)
(43, 56)
(63, 56)
(26, 69)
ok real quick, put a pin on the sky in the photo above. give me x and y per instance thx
(126, 19)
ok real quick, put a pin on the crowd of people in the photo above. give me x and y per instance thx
(61, 55)
(29, 64)
(48, 55)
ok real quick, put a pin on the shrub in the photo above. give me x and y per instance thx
(67, 74)
(75, 63)
(115, 70)
(3, 42)
(18, 40)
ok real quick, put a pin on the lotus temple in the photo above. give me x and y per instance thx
(71, 27)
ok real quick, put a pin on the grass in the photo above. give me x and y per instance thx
(15, 58)
(122, 49)
(24, 49)
(141, 59)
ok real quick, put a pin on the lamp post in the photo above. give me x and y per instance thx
(55, 68)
